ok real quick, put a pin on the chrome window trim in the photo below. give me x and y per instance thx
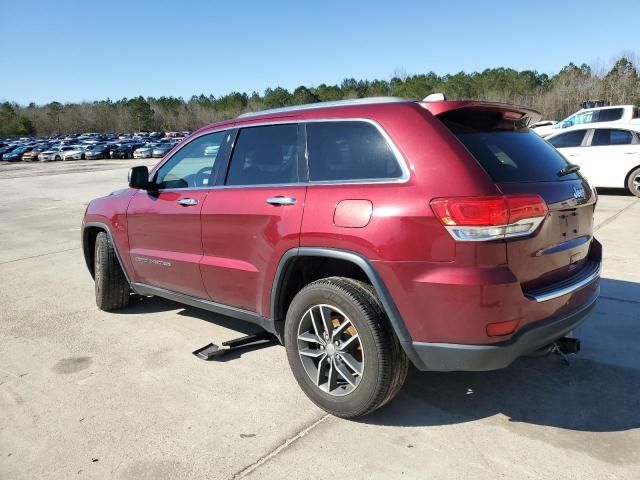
(401, 161)
(406, 175)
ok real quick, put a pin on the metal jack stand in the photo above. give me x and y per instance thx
(555, 349)
(213, 351)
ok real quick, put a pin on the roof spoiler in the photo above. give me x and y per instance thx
(518, 113)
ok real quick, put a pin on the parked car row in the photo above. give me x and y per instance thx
(608, 154)
(89, 146)
(603, 115)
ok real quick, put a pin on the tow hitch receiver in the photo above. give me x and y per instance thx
(213, 351)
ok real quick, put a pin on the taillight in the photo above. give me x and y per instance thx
(490, 218)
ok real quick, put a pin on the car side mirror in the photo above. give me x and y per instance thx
(139, 177)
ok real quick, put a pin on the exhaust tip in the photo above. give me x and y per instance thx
(568, 345)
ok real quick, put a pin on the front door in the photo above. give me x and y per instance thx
(254, 216)
(165, 235)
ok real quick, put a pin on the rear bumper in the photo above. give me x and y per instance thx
(445, 357)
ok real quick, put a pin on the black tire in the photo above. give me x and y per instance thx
(633, 182)
(57, 159)
(82, 157)
(385, 364)
(111, 286)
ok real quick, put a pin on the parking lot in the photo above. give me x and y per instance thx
(89, 394)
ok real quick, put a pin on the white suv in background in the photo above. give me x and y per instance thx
(608, 154)
(616, 113)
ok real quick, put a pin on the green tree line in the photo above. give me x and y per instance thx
(556, 96)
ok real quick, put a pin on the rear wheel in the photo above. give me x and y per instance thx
(342, 349)
(633, 182)
(111, 286)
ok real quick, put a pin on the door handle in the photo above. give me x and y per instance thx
(281, 200)
(187, 202)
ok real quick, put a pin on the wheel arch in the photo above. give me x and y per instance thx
(286, 284)
(626, 177)
(90, 231)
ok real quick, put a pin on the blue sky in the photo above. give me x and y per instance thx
(89, 50)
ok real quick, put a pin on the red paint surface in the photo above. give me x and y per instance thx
(446, 291)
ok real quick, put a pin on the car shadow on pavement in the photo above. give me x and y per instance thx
(146, 305)
(618, 192)
(599, 392)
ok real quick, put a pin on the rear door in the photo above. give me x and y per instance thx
(165, 234)
(254, 215)
(609, 156)
(520, 162)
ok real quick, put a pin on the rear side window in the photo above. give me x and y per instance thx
(512, 155)
(609, 115)
(568, 139)
(265, 156)
(605, 136)
(348, 151)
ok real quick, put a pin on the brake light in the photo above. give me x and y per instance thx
(490, 218)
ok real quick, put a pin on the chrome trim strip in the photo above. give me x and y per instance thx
(454, 229)
(588, 275)
(396, 152)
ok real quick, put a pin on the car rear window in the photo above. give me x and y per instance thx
(511, 154)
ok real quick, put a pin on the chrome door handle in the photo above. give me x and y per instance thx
(187, 202)
(281, 200)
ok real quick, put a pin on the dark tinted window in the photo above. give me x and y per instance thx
(568, 139)
(605, 136)
(265, 155)
(192, 166)
(349, 150)
(513, 156)
(609, 114)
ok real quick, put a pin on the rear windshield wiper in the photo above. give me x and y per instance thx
(571, 168)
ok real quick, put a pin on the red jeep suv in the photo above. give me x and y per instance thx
(365, 235)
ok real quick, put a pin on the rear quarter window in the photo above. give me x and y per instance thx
(349, 151)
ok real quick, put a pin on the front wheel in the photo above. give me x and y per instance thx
(633, 182)
(342, 349)
(111, 286)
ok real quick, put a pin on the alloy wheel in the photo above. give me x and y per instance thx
(330, 350)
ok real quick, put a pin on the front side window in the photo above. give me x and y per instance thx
(586, 117)
(349, 151)
(605, 136)
(568, 139)
(265, 155)
(193, 165)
